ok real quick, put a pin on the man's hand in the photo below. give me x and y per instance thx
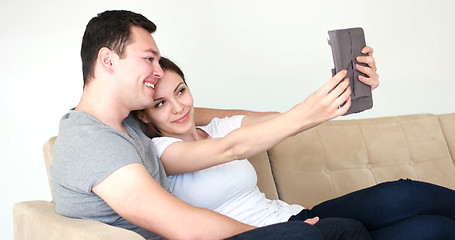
(370, 71)
(312, 221)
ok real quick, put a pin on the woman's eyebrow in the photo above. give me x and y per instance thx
(176, 88)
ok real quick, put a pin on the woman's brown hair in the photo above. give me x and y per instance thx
(150, 129)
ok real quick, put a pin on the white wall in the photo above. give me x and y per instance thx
(260, 55)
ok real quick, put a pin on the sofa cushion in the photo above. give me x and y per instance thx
(263, 169)
(342, 156)
(48, 152)
(448, 127)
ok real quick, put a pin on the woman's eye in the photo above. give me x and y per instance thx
(159, 104)
(181, 91)
(149, 59)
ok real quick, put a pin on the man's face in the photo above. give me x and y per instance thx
(138, 71)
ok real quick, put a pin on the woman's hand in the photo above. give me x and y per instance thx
(324, 104)
(370, 71)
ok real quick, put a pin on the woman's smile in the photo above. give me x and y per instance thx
(182, 119)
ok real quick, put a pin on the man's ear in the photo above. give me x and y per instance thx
(105, 57)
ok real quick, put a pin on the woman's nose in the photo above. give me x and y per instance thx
(176, 107)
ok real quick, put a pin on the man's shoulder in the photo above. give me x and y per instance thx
(85, 143)
(80, 121)
(75, 126)
(81, 132)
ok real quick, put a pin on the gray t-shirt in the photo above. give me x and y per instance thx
(85, 153)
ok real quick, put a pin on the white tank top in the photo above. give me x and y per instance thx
(230, 188)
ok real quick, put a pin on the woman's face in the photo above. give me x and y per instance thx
(172, 112)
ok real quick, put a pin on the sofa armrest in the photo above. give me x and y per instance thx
(38, 220)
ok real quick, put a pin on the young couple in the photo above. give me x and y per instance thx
(105, 168)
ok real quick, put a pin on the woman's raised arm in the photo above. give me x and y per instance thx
(322, 105)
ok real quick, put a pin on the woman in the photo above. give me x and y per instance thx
(230, 187)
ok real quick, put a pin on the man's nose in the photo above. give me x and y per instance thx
(158, 71)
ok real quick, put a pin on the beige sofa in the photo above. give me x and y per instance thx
(330, 160)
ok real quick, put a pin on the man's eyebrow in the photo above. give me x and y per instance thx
(154, 52)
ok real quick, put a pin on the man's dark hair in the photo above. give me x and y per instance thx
(111, 29)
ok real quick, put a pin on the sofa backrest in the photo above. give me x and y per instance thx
(342, 156)
(448, 128)
(47, 152)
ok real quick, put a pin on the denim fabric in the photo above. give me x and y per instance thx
(327, 229)
(342, 229)
(406, 208)
(423, 227)
(286, 230)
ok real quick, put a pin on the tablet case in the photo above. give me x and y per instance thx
(346, 45)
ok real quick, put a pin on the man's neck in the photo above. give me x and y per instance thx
(104, 108)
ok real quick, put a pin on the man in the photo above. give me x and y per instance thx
(106, 169)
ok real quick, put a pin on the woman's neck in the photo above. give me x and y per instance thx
(195, 134)
(202, 134)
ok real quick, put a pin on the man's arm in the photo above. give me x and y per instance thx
(203, 116)
(138, 198)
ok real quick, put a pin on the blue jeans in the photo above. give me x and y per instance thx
(402, 209)
(325, 229)
(287, 230)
